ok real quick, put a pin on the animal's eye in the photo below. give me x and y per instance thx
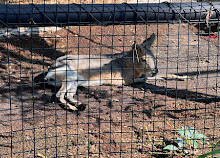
(51, 79)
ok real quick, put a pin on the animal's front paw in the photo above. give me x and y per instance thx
(71, 107)
(80, 107)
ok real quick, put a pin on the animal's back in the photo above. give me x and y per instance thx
(79, 62)
(107, 68)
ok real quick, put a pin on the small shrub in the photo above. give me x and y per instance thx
(189, 140)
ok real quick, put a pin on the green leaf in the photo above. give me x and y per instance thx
(210, 153)
(170, 148)
(191, 141)
(196, 133)
(181, 131)
(216, 145)
(189, 132)
(200, 136)
(186, 151)
(180, 142)
(195, 144)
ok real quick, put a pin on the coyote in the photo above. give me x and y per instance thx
(125, 68)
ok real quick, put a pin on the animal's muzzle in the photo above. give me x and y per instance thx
(154, 72)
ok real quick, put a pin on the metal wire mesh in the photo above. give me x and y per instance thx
(174, 115)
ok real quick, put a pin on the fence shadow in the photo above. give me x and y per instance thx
(179, 93)
(35, 44)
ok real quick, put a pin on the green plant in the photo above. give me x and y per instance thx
(189, 139)
(215, 150)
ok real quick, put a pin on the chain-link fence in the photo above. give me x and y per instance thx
(109, 89)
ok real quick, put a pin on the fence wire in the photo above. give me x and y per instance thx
(158, 98)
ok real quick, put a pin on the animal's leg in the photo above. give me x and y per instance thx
(61, 94)
(169, 77)
(71, 92)
(157, 77)
(68, 85)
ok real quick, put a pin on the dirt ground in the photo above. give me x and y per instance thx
(118, 121)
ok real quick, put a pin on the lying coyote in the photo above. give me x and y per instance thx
(71, 71)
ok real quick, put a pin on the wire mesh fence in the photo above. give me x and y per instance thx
(103, 91)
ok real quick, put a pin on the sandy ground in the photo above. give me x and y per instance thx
(118, 121)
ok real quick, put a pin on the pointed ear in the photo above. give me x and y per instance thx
(147, 43)
(137, 50)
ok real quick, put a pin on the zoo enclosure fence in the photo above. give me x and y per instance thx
(140, 120)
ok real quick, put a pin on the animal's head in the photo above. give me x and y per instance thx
(51, 78)
(143, 57)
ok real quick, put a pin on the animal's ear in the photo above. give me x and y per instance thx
(137, 50)
(147, 43)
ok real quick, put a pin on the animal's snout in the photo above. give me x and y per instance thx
(154, 72)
